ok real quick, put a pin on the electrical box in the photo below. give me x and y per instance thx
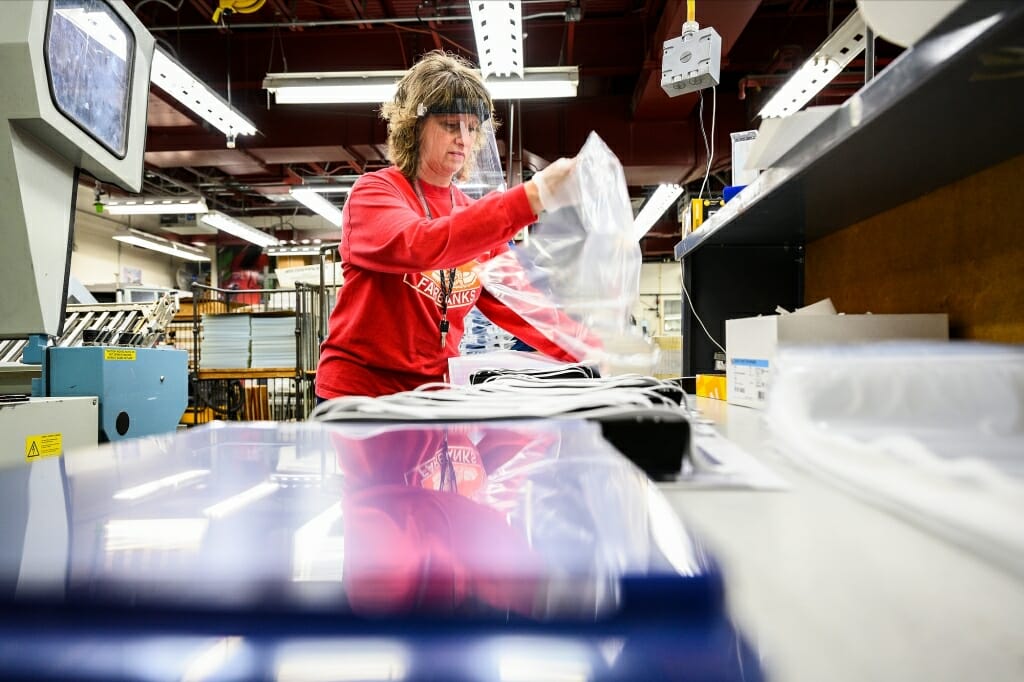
(691, 62)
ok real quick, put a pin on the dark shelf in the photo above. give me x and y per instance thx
(946, 108)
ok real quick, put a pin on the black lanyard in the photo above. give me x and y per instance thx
(447, 277)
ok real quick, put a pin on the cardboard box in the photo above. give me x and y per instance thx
(751, 343)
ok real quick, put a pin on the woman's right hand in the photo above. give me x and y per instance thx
(555, 187)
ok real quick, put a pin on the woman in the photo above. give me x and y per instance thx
(410, 240)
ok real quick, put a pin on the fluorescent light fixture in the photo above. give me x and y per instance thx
(156, 243)
(308, 250)
(154, 205)
(338, 87)
(540, 82)
(179, 83)
(346, 87)
(655, 206)
(237, 228)
(329, 189)
(317, 204)
(838, 50)
(498, 28)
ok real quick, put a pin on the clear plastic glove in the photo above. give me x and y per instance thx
(557, 186)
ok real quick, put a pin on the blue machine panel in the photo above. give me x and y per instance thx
(142, 391)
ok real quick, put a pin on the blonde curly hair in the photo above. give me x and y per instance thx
(440, 82)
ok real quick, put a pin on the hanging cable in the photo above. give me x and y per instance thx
(694, 311)
(709, 150)
(165, 3)
(514, 396)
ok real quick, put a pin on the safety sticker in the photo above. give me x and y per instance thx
(43, 445)
(119, 354)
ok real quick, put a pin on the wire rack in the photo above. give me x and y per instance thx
(228, 379)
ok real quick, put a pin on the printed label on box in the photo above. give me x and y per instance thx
(750, 379)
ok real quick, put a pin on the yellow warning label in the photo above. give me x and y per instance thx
(43, 445)
(119, 354)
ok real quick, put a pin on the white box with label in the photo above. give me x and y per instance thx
(751, 342)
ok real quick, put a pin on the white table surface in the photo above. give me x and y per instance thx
(828, 587)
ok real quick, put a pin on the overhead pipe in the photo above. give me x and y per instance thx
(319, 23)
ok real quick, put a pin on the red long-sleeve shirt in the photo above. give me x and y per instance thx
(383, 334)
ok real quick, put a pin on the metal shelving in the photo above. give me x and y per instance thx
(946, 108)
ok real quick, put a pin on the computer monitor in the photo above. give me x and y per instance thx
(90, 54)
(76, 84)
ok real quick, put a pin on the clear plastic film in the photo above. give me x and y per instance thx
(583, 261)
(483, 172)
(541, 518)
(933, 432)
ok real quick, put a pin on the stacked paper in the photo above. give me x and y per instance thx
(225, 341)
(273, 341)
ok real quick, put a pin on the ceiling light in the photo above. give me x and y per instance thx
(318, 204)
(329, 189)
(178, 82)
(154, 205)
(155, 243)
(537, 83)
(655, 207)
(339, 87)
(237, 228)
(838, 50)
(346, 87)
(310, 250)
(497, 27)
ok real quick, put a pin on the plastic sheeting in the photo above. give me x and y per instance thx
(931, 431)
(474, 551)
(585, 261)
(543, 518)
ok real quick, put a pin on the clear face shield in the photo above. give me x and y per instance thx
(482, 172)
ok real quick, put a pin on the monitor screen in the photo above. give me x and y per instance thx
(89, 58)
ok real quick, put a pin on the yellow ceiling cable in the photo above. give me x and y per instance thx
(237, 6)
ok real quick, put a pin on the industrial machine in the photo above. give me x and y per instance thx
(76, 84)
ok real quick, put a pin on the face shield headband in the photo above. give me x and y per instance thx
(459, 105)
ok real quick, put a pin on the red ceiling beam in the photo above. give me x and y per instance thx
(281, 8)
(204, 8)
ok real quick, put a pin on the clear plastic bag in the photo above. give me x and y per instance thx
(583, 261)
(933, 432)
